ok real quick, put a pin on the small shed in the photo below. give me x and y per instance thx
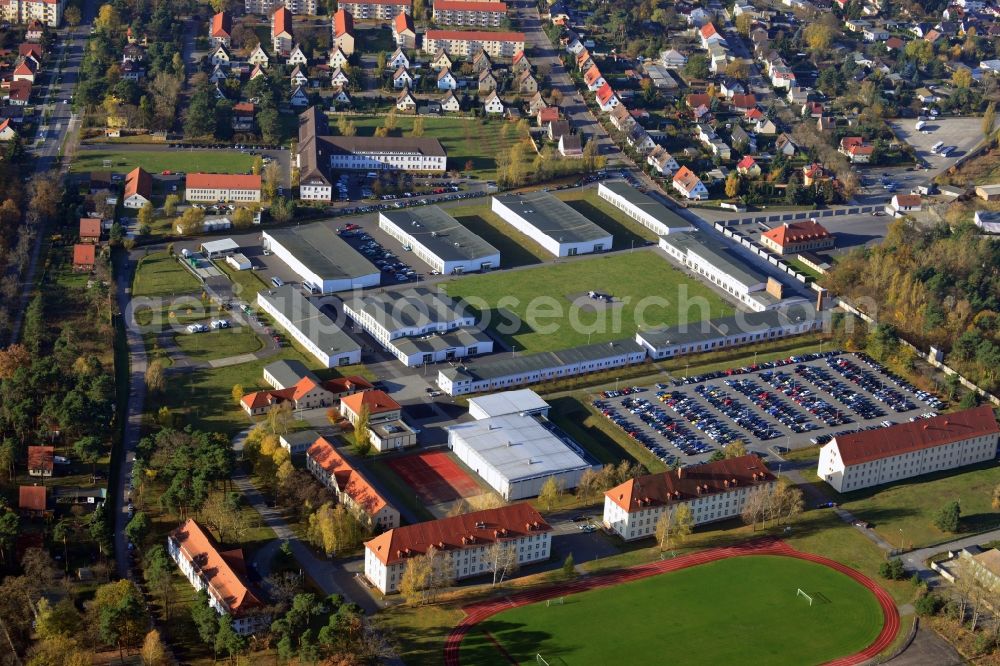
(219, 248)
(239, 261)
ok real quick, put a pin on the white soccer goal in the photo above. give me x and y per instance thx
(540, 661)
(554, 602)
(799, 593)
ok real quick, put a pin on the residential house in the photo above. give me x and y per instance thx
(403, 31)
(689, 185)
(741, 140)
(257, 71)
(639, 140)
(258, 57)
(243, 115)
(221, 30)
(481, 61)
(673, 59)
(351, 487)
(297, 78)
(32, 501)
(520, 63)
(83, 257)
(556, 129)
(694, 100)
(487, 82)
(570, 145)
(525, 83)
(748, 167)
(445, 80)
(138, 188)
(337, 58)
(584, 61)
(766, 126)
(536, 104)
(25, 70)
(341, 97)
(7, 131)
(662, 161)
(90, 230)
(493, 104)
(343, 31)
(339, 78)
(405, 101)
(796, 237)
(402, 79)
(606, 98)
(621, 119)
(731, 87)
(297, 57)
(743, 103)
(855, 148)
(812, 109)
(31, 50)
(220, 56)
(593, 79)
(398, 59)
(379, 406)
(449, 103)
(547, 115)
(441, 59)
(905, 203)
(281, 31)
(813, 173)
(710, 35)
(42, 459)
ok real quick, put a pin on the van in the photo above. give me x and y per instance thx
(277, 281)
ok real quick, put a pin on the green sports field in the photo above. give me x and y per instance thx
(554, 312)
(741, 610)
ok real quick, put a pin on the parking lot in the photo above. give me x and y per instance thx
(776, 406)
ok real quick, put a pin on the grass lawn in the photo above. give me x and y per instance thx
(534, 308)
(477, 141)
(681, 614)
(246, 284)
(157, 161)
(910, 505)
(625, 230)
(805, 270)
(218, 344)
(516, 249)
(159, 274)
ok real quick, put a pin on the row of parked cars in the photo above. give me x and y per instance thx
(385, 260)
(654, 417)
(214, 325)
(797, 391)
(400, 203)
(844, 394)
(747, 369)
(872, 383)
(898, 381)
(737, 412)
(699, 417)
(767, 401)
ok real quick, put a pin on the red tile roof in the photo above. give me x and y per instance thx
(19, 90)
(31, 498)
(605, 93)
(83, 254)
(343, 23)
(43, 457)
(744, 101)
(708, 30)
(518, 57)
(231, 181)
(376, 401)
(243, 107)
(25, 67)
(690, 482)
(592, 75)
(797, 232)
(470, 6)
(469, 529)
(907, 200)
(398, 3)
(695, 100)
(755, 114)
(222, 25)
(687, 179)
(223, 572)
(281, 22)
(140, 182)
(861, 447)
(90, 227)
(894, 43)
(404, 23)
(345, 384)
(476, 35)
(350, 481)
(746, 162)
(30, 49)
(548, 114)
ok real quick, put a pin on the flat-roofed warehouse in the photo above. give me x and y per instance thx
(552, 223)
(642, 208)
(439, 240)
(516, 454)
(309, 326)
(322, 258)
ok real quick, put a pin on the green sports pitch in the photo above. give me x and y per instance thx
(554, 311)
(741, 610)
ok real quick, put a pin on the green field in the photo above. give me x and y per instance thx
(218, 344)
(516, 249)
(159, 274)
(646, 289)
(736, 611)
(211, 161)
(625, 230)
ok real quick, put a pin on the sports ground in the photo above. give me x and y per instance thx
(725, 606)
(434, 477)
(645, 288)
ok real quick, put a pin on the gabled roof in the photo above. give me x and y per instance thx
(868, 445)
(42, 457)
(223, 572)
(443, 72)
(400, 72)
(690, 483)
(694, 100)
(686, 179)
(222, 25)
(32, 498)
(404, 23)
(797, 232)
(26, 66)
(343, 23)
(349, 480)
(469, 529)
(907, 200)
(90, 227)
(746, 162)
(281, 22)
(83, 254)
(30, 49)
(708, 31)
(518, 57)
(140, 182)
(20, 90)
(378, 402)
(592, 75)
(486, 74)
(344, 384)
(744, 101)
(605, 93)
(231, 181)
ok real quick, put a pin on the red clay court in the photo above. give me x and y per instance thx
(435, 477)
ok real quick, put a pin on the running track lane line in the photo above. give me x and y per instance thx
(477, 612)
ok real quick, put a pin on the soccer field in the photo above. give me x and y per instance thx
(552, 311)
(741, 610)
(157, 161)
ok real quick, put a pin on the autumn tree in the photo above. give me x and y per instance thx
(12, 358)
(732, 185)
(818, 37)
(989, 119)
(962, 77)
(237, 393)
(153, 652)
(170, 205)
(362, 434)
(416, 577)
(155, 377)
(550, 492)
(501, 560)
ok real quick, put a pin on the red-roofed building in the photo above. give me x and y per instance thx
(213, 187)
(343, 31)
(873, 457)
(713, 491)
(19, 93)
(478, 13)
(84, 256)
(547, 115)
(7, 131)
(372, 10)
(748, 167)
(90, 230)
(282, 35)
(42, 459)
(606, 98)
(353, 490)
(463, 43)
(689, 185)
(795, 237)
(404, 32)
(222, 573)
(902, 204)
(694, 100)
(243, 116)
(464, 539)
(709, 35)
(138, 188)
(26, 70)
(894, 44)
(221, 32)
(856, 149)
(32, 501)
(32, 50)
(744, 103)
(378, 403)
(594, 79)
(813, 173)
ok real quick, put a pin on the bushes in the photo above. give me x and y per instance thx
(929, 604)
(892, 569)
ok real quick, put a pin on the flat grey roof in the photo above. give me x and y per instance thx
(440, 233)
(648, 204)
(288, 373)
(306, 317)
(408, 308)
(518, 447)
(323, 251)
(744, 322)
(509, 402)
(553, 217)
(435, 342)
(503, 365)
(221, 245)
(718, 254)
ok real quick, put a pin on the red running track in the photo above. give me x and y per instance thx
(477, 612)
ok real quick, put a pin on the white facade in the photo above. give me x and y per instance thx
(385, 10)
(443, 265)
(644, 210)
(460, 43)
(325, 283)
(549, 239)
(384, 156)
(311, 328)
(214, 194)
(48, 12)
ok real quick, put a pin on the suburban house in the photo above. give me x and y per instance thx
(904, 203)
(748, 166)
(493, 104)
(401, 79)
(606, 98)
(593, 79)
(350, 486)
(90, 229)
(343, 31)
(520, 63)
(42, 459)
(570, 145)
(662, 161)
(441, 59)
(813, 173)
(450, 103)
(856, 149)
(487, 82)
(795, 237)
(32, 501)
(258, 58)
(337, 58)
(282, 36)
(243, 115)
(403, 31)
(689, 185)
(84, 256)
(526, 83)
(405, 101)
(222, 29)
(297, 57)
(138, 188)
(445, 80)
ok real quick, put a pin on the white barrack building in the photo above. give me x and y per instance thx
(322, 258)
(439, 240)
(642, 208)
(521, 401)
(309, 326)
(551, 223)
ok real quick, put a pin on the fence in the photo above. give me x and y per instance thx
(800, 215)
(764, 254)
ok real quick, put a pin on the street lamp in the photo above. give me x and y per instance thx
(902, 542)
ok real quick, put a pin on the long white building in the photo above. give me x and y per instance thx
(552, 223)
(462, 541)
(516, 454)
(464, 43)
(229, 187)
(322, 258)
(309, 326)
(439, 240)
(383, 10)
(642, 208)
(477, 13)
(873, 457)
(713, 491)
(364, 153)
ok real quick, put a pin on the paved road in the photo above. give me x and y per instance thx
(916, 560)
